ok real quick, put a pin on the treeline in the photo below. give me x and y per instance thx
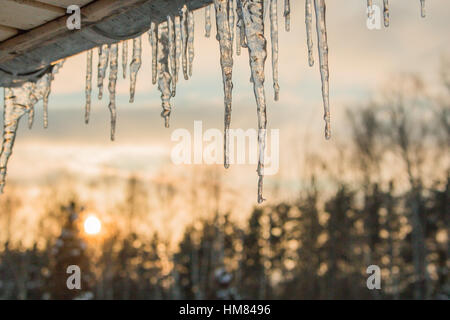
(381, 198)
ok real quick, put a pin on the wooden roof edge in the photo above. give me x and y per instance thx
(34, 50)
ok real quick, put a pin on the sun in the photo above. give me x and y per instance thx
(92, 225)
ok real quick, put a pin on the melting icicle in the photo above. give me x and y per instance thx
(88, 86)
(252, 13)
(172, 52)
(164, 77)
(16, 105)
(124, 58)
(422, 9)
(177, 47)
(226, 61)
(208, 21)
(31, 117)
(43, 88)
(386, 13)
(153, 42)
(287, 14)
(113, 69)
(135, 66)
(190, 29)
(103, 56)
(274, 40)
(184, 41)
(309, 37)
(323, 59)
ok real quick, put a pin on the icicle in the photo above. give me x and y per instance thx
(190, 29)
(231, 21)
(88, 86)
(124, 58)
(164, 77)
(113, 69)
(252, 13)
(309, 36)
(152, 37)
(103, 56)
(17, 103)
(172, 52)
(369, 8)
(135, 66)
(208, 21)
(323, 58)
(31, 117)
(287, 14)
(274, 40)
(386, 13)
(177, 47)
(43, 88)
(226, 61)
(422, 9)
(184, 41)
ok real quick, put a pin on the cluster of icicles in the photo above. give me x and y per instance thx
(240, 24)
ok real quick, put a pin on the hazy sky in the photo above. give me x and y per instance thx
(360, 61)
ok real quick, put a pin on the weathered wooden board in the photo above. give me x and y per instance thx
(25, 17)
(7, 32)
(66, 3)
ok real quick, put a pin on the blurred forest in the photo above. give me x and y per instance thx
(381, 197)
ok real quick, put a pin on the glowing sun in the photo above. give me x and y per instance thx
(92, 225)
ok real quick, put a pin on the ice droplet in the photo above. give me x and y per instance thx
(135, 66)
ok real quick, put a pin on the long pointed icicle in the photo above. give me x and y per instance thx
(208, 21)
(309, 36)
(226, 61)
(274, 41)
(252, 12)
(184, 41)
(88, 89)
(17, 103)
(43, 88)
(323, 58)
(164, 77)
(30, 117)
(172, 53)
(113, 70)
(422, 9)
(135, 65)
(287, 14)
(152, 37)
(190, 45)
(386, 13)
(124, 58)
(177, 47)
(103, 56)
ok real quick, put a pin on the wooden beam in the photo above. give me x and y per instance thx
(9, 29)
(40, 5)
